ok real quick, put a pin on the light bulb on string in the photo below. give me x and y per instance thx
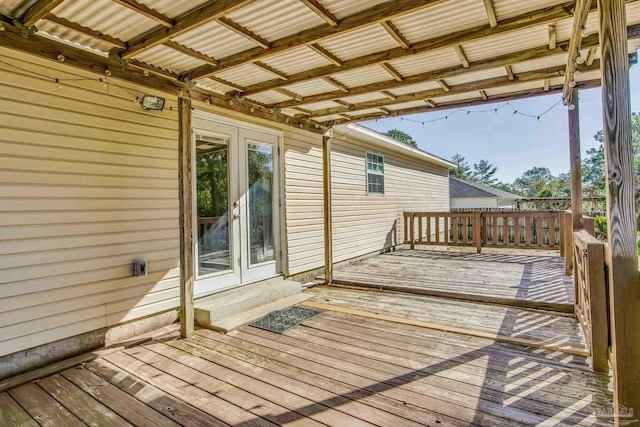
(572, 83)
(58, 84)
(572, 107)
(579, 59)
(539, 119)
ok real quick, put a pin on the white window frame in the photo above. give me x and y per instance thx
(366, 167)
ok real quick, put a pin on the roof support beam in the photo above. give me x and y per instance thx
(242, 31)
(592, 55)
(553, 36)
(491, 13)
(271, 70)
(79, 58)
(395, 34)
(392, 71)
(462, 56)
(480, 86)
(509, 71)
(483, 95)
(520, 22)
(147, 11)
(373, 15)
(190, 52)
(430, 103)
(184, 23)
(443, 85)
(288, 93)
(547, 82)
(389, 94)
(457, 104)
(38, 11)
(326, 54)
(582, 9)
(321, 11)
(633, 32)
(336, 83)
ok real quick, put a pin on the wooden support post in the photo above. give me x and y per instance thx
(562, 233)
(185, 189)
(574, 154)
(326, 195)
(624, 286)
(477, 231)
(412, 231)
(568, 242)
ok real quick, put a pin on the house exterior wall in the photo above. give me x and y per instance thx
(89, 183)
(474, 202)
(362, 223)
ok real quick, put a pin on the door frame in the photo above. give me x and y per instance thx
(280, 232)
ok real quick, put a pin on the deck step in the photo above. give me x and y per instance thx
(249, 316)
(221, 307)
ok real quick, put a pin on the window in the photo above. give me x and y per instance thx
(375, 174)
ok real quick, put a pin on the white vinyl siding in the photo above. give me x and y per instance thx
(361, 224)
(88, 183)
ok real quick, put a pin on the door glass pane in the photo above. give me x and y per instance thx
(212, 193)
(260, 203)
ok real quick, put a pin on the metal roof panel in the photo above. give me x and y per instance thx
(214, 40)
(364, 41)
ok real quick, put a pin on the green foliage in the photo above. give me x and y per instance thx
(601, 226)
(405, 138)
(638, 247)
(483, 172)
(462, 169)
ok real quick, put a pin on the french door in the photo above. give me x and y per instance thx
(236, 196)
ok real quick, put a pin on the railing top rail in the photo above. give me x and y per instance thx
(443, 213)
(582, 239)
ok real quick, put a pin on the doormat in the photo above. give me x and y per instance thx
(280, 321)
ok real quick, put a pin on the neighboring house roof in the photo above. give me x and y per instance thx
(459, 188)
(369, 135)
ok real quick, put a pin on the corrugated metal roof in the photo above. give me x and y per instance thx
(274, 20)
(12, 8)
(173, 8)
(343, 8)
(402, 105)
(428, 61)
(327, 118)
(363, 98)
(458, 97)
(269, 97)
(362, 76)
(538, 64)
(214, 85)
(169, 59)
(505, 43)
(359, 43)
(476, 75)
(245, 75)
(442, 19)
(310, 87)
(321, 105)
(364, 112)
(296, 61)
(105, 16)
(214, 40)
(517, 87)
(73, 36)
(415, 88)
(509, 8)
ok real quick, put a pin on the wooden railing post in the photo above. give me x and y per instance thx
(568, 242)
(412, 231)
(589, 225)
(477, 231)
(562, 231)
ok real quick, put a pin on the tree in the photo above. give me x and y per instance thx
(536, 182)
(405, 138)
(462, 169)
(483, 172)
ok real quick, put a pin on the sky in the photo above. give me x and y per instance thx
(511, 142)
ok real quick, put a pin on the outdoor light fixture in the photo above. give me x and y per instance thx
(152, 102)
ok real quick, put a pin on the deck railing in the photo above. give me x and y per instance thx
(524, 230)
(591, 296)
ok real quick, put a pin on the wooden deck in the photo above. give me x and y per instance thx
(519, 278)
(338, 369)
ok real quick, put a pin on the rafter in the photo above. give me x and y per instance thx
(320, 10)
(326, 54)
(392, 71)
(491, 13)
(430, 103)
(443, 85)
(345, 104)
(384, 110)
(97, 35)
(336, 83)
(395, 34)
(582, 8)
(468, 103)
(147, 11)
(185, 22)
(288, 93)
(389, 94)
(633, 33)
(547, 83)
(527, 20)
(483, 95)
(553, 36)
(462, 56)
(242, 31)
(509, 71)
(191, 52)
(592, 55)
(480, 86)
(271, 70)
(37, 11)
(232, 85)
(367, 17)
